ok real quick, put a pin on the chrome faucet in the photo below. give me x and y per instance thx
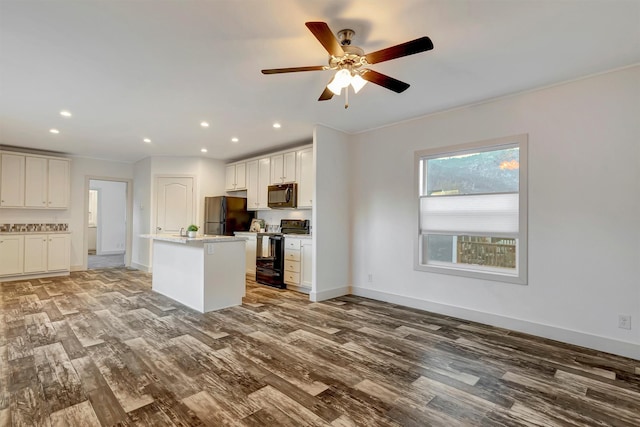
(182, 235)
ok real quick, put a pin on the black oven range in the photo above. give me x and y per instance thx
(270, 252)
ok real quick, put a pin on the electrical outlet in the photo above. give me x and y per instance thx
(624, 321)
(370, 277)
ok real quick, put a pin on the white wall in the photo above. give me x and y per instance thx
(140, 248)
(331, 265)
(584, 210)
(75, 215)
(112, 215)
(209, 177)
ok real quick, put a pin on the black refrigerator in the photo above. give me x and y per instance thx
(223, 215)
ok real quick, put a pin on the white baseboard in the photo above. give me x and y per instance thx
(596, 342)
(77, 268)
(110, 253)
(140, 267)
(329, 293)
(20, 277)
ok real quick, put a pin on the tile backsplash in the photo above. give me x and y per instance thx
(17, 228)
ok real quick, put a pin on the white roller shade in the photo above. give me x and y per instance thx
(483, 213)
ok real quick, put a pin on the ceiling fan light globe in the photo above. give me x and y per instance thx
(342, 78)
(357, 82)
(335, 87)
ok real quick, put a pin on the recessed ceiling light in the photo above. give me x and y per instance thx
(204, 150)
(204, 124)
(234, 139)
(277, 125)
(54, 131)
(65, 113)
(147, 140)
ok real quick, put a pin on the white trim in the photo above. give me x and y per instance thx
(141, 267)
(21, 277)
(128, 219)
(596, 342)
(489, 100)
(77, 268)
(329, 293)
(110, 253)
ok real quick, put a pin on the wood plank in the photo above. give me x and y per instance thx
(124, 373)
(60, 382)
(104, 403)
(80, 414)
(99, 347)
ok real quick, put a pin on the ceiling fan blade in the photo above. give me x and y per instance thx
(409, 48)
(326, 95)
(385, 81)
(293, 69)
(325, 37)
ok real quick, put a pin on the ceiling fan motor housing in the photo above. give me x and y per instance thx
(353, 59)
(345, 36)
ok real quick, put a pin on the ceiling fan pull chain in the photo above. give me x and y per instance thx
(346, 97)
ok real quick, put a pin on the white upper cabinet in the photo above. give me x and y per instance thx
(283, 168)
(59, 183)
(306, 178)
(34, 181)
(230, 178)
(236, 177)
(12, 181)
(257, 183)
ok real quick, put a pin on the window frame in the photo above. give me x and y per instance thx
(520, 141)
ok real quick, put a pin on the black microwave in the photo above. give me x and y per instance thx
(283, 196)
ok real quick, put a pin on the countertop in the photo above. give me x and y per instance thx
(7, 233)
(292, 236)
(199, 239)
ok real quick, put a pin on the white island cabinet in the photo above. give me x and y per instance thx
(204, 273)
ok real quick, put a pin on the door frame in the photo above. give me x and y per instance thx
(128, 217)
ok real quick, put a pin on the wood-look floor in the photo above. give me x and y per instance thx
(99, 348)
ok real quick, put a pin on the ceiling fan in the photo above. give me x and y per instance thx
(350, 62)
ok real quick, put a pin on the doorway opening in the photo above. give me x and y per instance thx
(106, 224)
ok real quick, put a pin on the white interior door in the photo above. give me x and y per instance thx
(175, 204)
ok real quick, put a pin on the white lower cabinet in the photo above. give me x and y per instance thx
(250, 252)
(11, 255)
(58, 252)
(32, 254)
(297, 263)
(306, 249)
(35, 253)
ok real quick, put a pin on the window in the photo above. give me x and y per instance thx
(473, 210)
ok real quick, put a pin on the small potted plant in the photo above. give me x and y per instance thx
(191, 230)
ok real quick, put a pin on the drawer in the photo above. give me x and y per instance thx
(291, 255)
(291, 243)
(292, 266)
(291, 278)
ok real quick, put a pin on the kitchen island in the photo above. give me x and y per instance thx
(204, 273)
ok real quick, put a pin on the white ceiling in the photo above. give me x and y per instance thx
(141, 68)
